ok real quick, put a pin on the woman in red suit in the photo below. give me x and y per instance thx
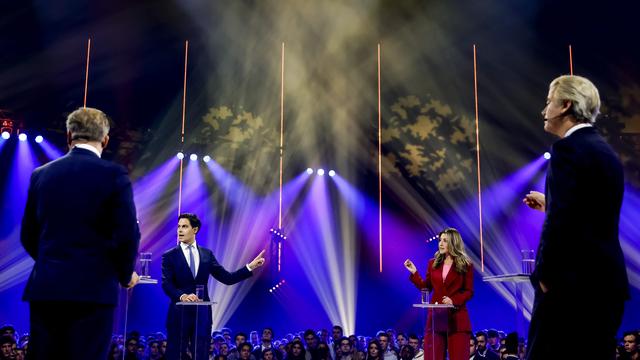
(450, 281)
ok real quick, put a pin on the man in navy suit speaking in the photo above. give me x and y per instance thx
(80, 227)
(185, 267)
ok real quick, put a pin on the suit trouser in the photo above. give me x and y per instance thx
(556, 312)
(437, 344)
(69, 330)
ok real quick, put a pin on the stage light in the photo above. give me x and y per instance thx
(547, 155)
(309, 170)
(206, 158)
(320, 172)
(22, 137)
(180, 155)
(6, 135)
(193, 157)
(39, 139)
(332, 173)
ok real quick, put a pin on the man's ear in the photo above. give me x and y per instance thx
(105, 141)
(566, 106)
(195, 230)
(69, 138)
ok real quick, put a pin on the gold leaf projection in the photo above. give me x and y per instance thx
(426, 141)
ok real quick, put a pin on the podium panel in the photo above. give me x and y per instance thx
(437, 328)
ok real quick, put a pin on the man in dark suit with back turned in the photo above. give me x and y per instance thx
(183, 268)
(580, 276)
(80, 227)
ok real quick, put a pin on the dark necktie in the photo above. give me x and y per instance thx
(192, 261)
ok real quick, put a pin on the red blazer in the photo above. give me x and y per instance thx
(457, 286)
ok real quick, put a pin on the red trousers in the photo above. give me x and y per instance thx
(437, 344)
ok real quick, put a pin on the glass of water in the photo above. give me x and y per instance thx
(145, 262)
(528, 261)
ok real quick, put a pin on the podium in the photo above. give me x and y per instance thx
(517, 279)
(194, 312)
(437, 321)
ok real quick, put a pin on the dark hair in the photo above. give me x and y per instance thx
(409, 349)
(337, 327)
(511, 343)
(343, 339)
(240, 334)
(309, 332)
(290, 350)
(268, 350)
(245, 344)
(7, 339)
(481, 333)
(193, 220)
(380, 349)
(413, 336)
(631, 333)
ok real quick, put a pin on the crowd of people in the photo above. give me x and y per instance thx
(308, 345)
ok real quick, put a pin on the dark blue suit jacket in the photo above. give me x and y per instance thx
(177, 278)
(80, 227)
(579, 246)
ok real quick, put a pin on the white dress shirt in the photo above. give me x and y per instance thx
(89, 147)
(576, 127)
(196, 254)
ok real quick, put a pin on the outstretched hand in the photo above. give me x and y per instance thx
(410, 266)
(257, 262)
(134, 280)
(535, 200)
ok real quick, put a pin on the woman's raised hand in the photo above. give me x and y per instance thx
(410, 266)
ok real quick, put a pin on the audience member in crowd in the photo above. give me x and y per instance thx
(8, 347)
(244, 351)
(311, 342)
(131, 349)
(346, 350)
(240, 338)
(414, 342)
(482, 351)
(511, 347)
(630, 341)
(322, 352)
(323, 336)
(9, 330)
(392, 340)
(266, 343)
(254, 339)
(268, 354)
(493, 340)
(375, 350)
(296, 351)
(115, 352)
(401, 340)
(387, 352)
(473, 343)
(406, 352)
(153, 350)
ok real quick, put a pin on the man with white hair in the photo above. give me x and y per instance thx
(580, 277)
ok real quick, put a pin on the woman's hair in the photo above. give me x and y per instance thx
(380, 350)
(290, 350)
(456, 250)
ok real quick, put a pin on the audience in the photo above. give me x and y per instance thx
(292, 346)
